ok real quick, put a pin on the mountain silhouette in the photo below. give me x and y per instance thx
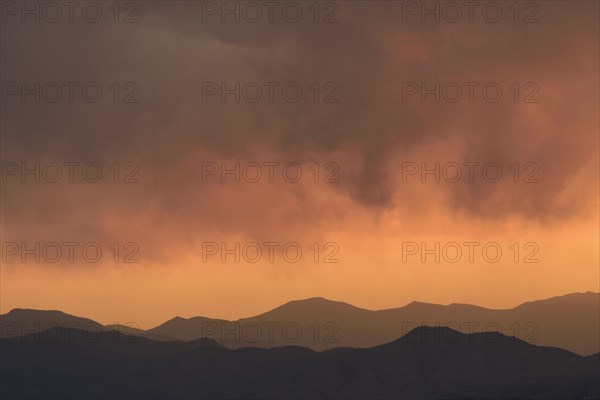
(426, 363)
(571, 322)
(21, 321)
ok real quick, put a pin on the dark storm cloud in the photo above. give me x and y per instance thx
(368, 54)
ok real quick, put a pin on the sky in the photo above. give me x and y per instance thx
(375, 156)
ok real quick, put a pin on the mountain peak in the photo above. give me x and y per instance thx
(315, 300)
(313, 308)
(575, 297)
(16, 311)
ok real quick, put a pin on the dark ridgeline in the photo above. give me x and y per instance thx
(570, 322)
(426, 363)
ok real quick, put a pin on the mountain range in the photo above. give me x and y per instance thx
(426, 363)
(571, 322)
